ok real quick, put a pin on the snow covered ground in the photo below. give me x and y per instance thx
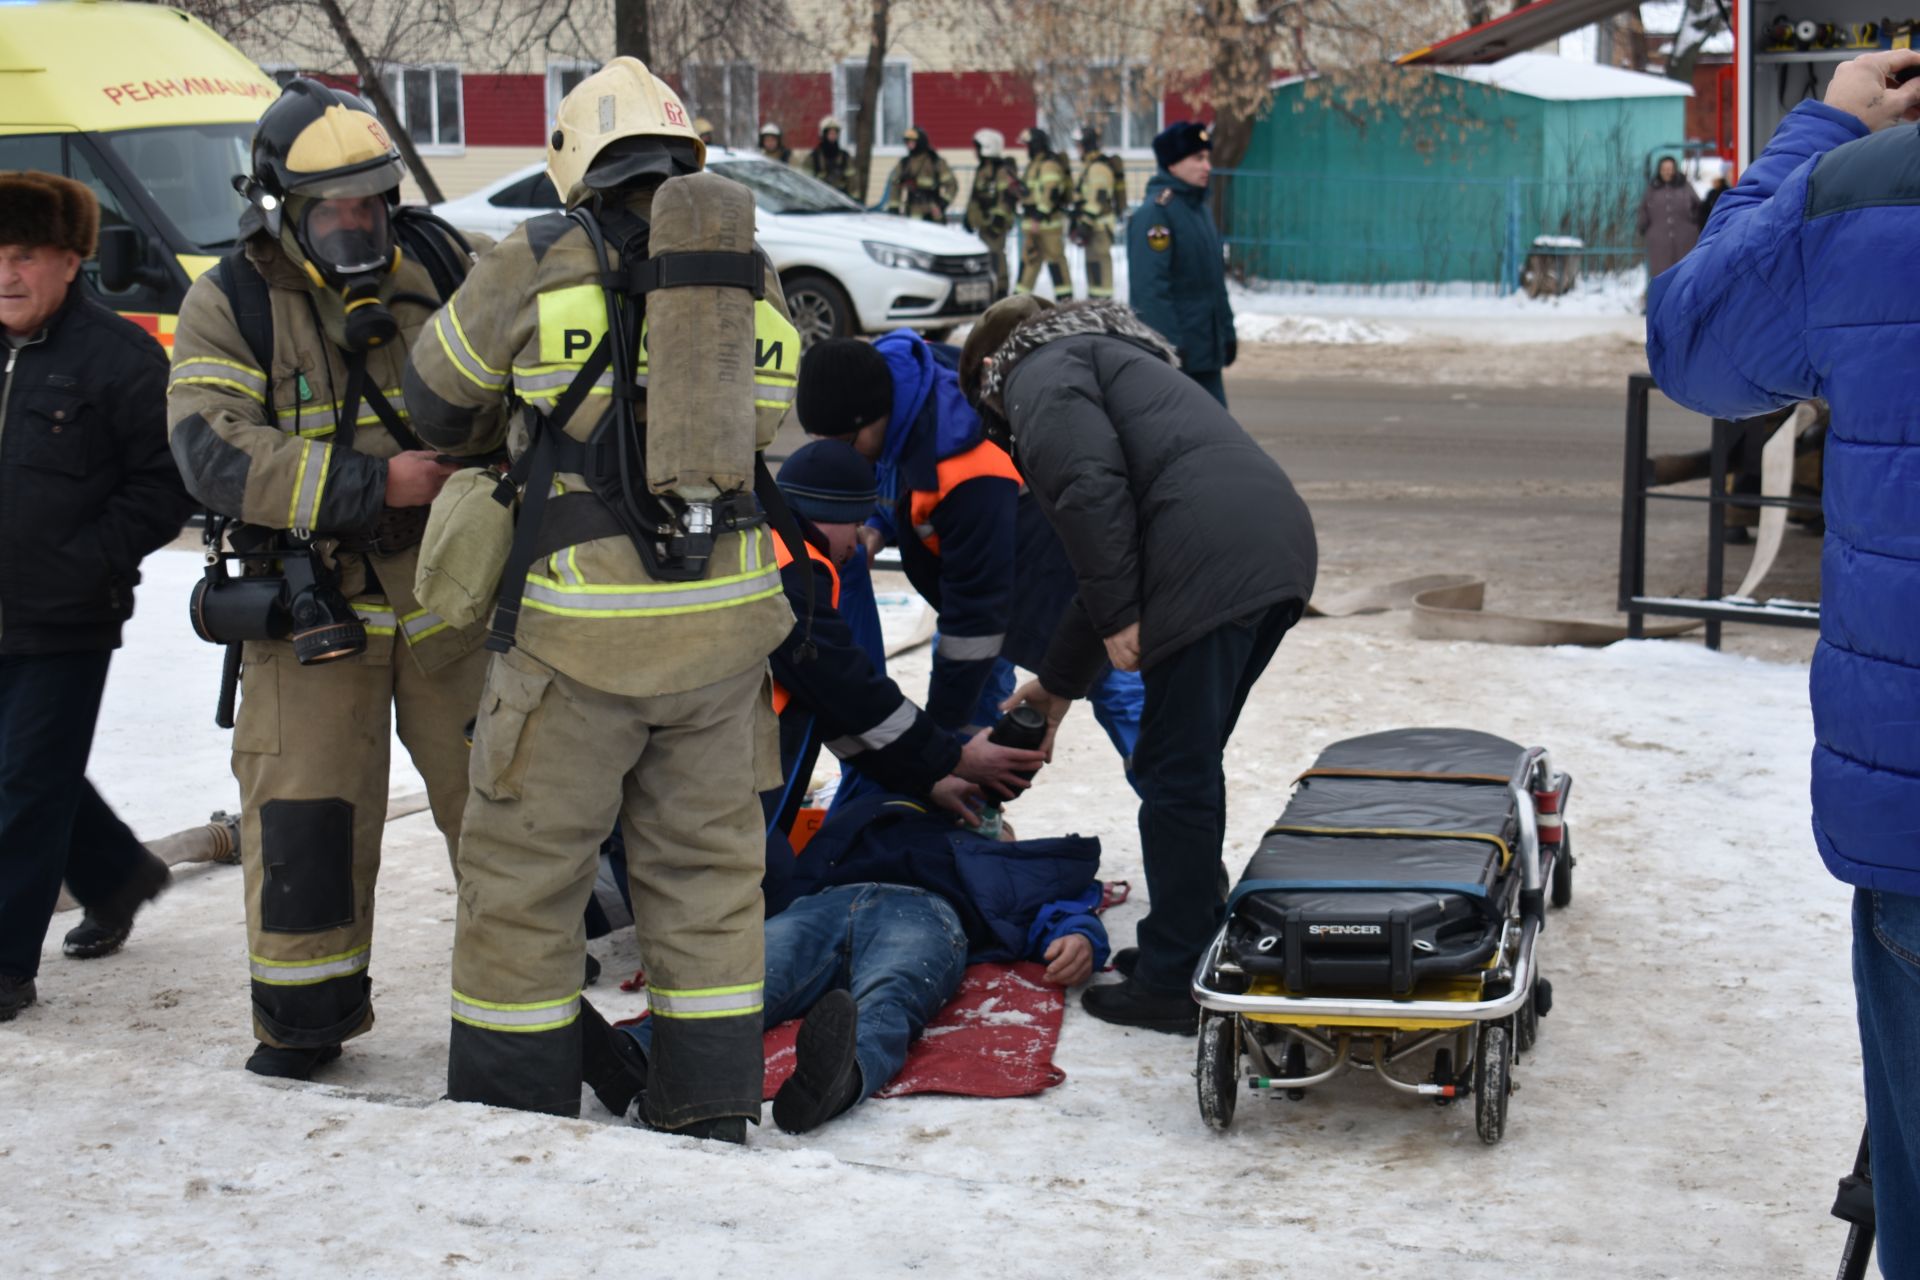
(1693, 1097)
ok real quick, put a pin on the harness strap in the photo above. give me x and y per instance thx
(534, 475)
(706, 268)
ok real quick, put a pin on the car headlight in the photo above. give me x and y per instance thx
(898, 256)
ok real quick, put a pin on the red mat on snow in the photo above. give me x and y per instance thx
(995, 1039)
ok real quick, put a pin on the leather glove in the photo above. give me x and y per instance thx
(1233, 351)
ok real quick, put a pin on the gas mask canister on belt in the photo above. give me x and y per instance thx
(348, 245)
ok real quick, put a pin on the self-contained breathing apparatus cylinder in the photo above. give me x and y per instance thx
(701, 353)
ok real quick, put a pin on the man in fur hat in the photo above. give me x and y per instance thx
(87, 489)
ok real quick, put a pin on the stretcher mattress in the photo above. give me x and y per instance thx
(1392, 863)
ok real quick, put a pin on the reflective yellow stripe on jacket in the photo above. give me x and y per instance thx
(216, 372)
(315, 419)
(571, 597)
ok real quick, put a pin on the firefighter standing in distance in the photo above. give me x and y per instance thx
(285, 413)
(629, 679)
(1043, 215)
(922, 185)
(991, 204)
(773, 144)
(830, 162)
(1102, 195)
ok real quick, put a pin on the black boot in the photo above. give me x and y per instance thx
(610, 1061)
(1125, 960)
(106, 925)
(15, 995)
(731, 1129)
(593, 971)
(826, 1074)
(290, 1064)
(1131, 1005)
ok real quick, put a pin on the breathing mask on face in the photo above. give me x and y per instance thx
(348, 245)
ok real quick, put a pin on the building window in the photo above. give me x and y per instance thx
(1113, 97)
(895, 102)
(562, 75)
(727, 96)
(430, 106)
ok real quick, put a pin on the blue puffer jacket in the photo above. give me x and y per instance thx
(1014, 899)
(1797, 290)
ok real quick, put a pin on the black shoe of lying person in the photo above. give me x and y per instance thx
(610, 1061)
(826, 1073)
(1128, 1004)
(290, 1064)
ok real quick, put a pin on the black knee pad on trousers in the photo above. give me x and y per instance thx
(306, 859)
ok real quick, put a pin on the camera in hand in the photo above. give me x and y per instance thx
(301, 602)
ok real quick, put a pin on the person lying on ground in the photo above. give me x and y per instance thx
(892, 901)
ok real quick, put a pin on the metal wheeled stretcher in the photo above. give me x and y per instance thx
(1394, 908)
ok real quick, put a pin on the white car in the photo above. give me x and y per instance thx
(845, 271)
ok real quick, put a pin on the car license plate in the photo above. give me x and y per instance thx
(969, 291)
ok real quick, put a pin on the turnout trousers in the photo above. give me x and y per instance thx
(1099, 253)
(1044, 244)
(997, 255)
(555, 763)
(310, 750)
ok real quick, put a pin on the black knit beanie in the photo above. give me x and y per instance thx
(844, 385)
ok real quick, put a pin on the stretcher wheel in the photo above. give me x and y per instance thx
(1492, 1080)
(1218, 1071)
(1560, 892)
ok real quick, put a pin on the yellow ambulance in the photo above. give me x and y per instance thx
(151, 109)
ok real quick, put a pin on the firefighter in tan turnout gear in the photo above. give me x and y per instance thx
(1047, 197)
(1101, 198)
(648, 341)
(286, 418)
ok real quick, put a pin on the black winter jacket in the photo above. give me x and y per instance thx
(87, 485)
(1173, 517)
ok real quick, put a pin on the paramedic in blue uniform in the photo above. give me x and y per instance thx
(827, 691)
(1179, 278)
(1788, 297)
(981, 554)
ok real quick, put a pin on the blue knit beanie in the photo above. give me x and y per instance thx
(828, 482)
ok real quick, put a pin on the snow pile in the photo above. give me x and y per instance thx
(1314, 330)
(1694, 1094)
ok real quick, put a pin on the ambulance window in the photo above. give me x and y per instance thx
(188, 171)
(30, 151)
(113, 213)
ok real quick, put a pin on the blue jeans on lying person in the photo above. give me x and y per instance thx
(1886, 984)
(901, 952)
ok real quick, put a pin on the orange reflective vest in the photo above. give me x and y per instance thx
(984, 459)
(782, 558)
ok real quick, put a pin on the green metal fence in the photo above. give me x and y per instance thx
(1307, 228)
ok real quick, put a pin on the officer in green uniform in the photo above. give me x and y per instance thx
(922, 185)
(1179, 279)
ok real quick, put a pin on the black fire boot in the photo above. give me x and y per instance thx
(826, 1073)
(15, 995)
(105, 925)
(1131, 1005)
(610, 1061)
(290, 1064)
(1125, 960)
(730, 1129)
